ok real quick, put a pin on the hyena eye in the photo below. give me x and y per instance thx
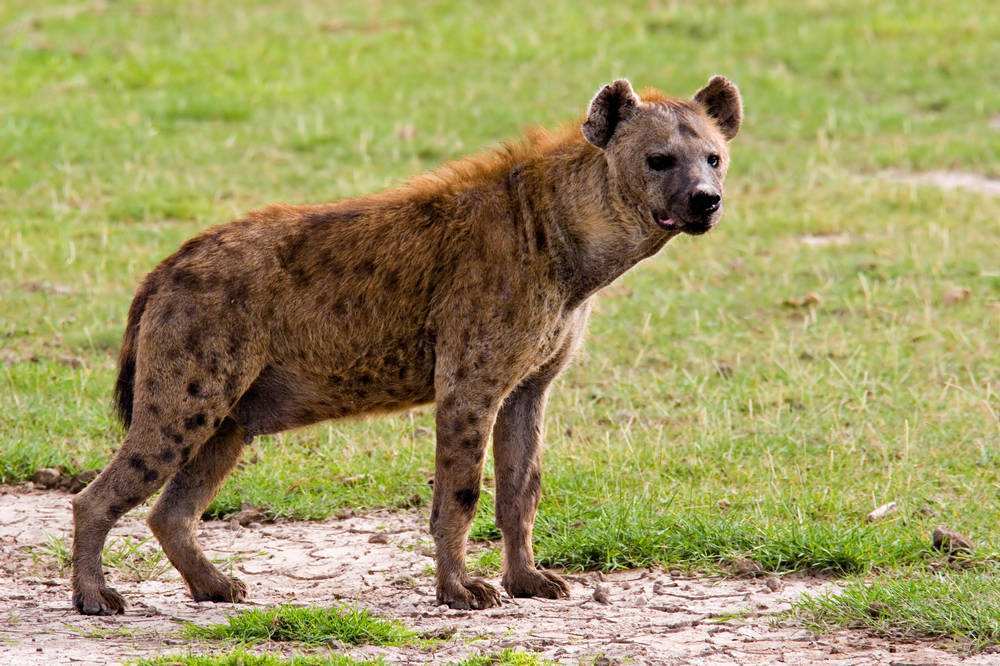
(660, 162)
(713, 160)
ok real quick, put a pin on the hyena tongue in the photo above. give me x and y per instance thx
(667, 224)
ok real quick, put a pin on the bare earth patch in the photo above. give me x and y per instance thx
(949, 180)
(650, 616)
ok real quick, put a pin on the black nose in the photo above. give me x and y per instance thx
(704, 203)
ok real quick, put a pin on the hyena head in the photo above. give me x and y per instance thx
(667, 158)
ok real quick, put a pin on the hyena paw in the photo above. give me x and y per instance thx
(220, 588)
(468, 593)
(535, 583)
(98, 601)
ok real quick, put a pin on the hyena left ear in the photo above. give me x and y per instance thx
(721, 100)
(611, 105)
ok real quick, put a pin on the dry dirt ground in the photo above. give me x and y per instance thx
(382, 561)
(949, 180)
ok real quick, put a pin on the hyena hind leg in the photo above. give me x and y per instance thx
(175, 517)
(135, 473)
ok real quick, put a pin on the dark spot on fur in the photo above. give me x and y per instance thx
(291, 260)
(186, 279)
(237, 292)
(150, 475)
(470, 443)
(167, 454)
(152, 408)
(540, 239)
(366, 268)
(392, 281)
(446, 463)
(185, 453)
(460, 374)
(193, 388)
(192, 341)
(448, 403)
(194, 421)
(167, 314)
(116, 511)
(216, 422)
(467, 498)
(365, 379)
(471, 418)
(136, 462)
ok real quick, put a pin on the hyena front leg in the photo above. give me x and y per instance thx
(517, 453)
(467, 402)
(517, 447)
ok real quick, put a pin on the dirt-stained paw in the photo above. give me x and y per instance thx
(535, 583)
(99, 601)
(468, 594)
(220, 588)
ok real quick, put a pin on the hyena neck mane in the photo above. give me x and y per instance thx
(554, 189)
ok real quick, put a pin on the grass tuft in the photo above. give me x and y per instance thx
(960, 605)
(506, 657)
(241, 657)
(313, 626)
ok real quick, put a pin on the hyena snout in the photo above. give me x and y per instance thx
(704, 202)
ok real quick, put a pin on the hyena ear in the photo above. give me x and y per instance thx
(721, 99)
(611, 105)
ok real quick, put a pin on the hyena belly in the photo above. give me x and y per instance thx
(384, 377)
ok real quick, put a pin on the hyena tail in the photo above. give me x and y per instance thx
(125, 385)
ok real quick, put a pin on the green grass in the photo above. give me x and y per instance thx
(134, 559)
(913, 604)
(309, 625)
(127, 129)
(507, 657)
(241, 657)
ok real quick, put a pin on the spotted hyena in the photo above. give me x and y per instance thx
(468, 287)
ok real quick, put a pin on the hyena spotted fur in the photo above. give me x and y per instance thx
(468, 287)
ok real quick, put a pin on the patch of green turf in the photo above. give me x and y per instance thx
(507, 657)
(961, 605)
(312, 626)
(241, 657)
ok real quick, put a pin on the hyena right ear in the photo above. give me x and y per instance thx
(721, 100)
(611, 105)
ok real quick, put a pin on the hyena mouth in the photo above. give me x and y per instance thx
(667, 223)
